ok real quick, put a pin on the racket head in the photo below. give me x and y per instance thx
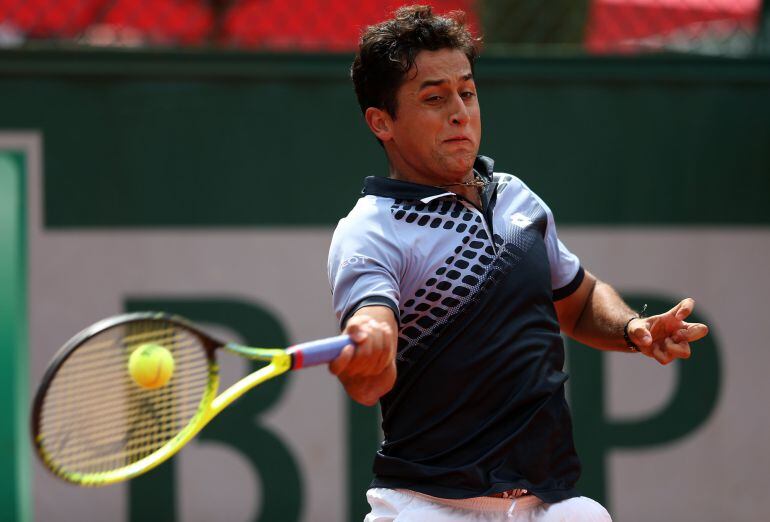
(93, 425)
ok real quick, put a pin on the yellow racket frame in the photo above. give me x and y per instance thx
(210, 407)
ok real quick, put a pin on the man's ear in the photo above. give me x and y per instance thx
(380, 123)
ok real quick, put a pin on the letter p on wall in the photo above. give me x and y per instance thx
(696, 390)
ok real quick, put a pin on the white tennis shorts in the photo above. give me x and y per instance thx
(401, 505)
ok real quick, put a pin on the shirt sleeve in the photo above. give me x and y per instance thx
(566, 271)
(364, 266)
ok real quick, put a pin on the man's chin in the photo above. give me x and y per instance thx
(460, 166)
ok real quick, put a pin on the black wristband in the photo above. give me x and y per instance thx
(629, 343)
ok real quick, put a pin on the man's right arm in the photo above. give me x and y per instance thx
(368, 369)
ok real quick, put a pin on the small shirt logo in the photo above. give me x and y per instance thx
(354, 261)
(520, 220)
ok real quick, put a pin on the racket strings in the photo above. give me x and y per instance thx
(134, 440)
(185, 369)
(148, 430)
(91, 353)
(95, 418)
(104, 435)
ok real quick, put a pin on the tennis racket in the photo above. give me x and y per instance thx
(93, 424)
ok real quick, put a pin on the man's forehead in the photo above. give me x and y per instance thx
(449, 64)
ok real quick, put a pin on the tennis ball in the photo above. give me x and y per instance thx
(151, 366)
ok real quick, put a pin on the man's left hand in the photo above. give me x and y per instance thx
(667, 336)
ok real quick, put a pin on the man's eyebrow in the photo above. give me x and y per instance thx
(433, 83)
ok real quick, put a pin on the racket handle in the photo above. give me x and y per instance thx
(313, 353)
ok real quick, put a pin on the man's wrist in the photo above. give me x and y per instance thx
(630, 344)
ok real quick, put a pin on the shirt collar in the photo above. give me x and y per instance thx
(398, 189)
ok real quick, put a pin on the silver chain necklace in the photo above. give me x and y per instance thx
(477, 182)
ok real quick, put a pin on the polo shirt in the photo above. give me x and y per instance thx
(478, 406)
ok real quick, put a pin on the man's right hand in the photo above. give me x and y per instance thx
(368, 369)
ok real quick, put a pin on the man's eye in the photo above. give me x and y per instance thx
(433, 98)
(468, 94)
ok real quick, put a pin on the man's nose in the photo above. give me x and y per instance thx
(459, 112)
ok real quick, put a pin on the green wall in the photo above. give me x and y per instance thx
(235, 139)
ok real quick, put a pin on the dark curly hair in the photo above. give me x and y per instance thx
(387, 51)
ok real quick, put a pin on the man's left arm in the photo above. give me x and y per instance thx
(596, 315)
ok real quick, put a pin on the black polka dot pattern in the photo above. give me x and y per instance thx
(454, 284)
(477, 262)
(445, 214)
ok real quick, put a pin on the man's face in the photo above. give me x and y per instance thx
(435, 135)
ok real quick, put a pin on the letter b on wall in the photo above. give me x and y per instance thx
(152, 497)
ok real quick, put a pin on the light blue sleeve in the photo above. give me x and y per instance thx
(364, 262)
(566, 272)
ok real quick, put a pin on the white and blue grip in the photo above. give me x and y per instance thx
(313, 353)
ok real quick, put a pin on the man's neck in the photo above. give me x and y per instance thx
(471, 193)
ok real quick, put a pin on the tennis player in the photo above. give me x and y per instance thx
(453, 282)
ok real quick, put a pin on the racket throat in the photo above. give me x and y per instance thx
(281, 364)
(255, 354)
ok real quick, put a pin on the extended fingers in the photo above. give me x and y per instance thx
(660, 355)
(677, 350)
(684, 308)
(668, 350)
(692, 332)
(667, 337)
